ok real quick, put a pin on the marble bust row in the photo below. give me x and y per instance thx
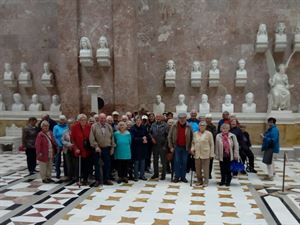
(25, 78)
(35, 105)
(213, 74)
(262, 40)
(204, 107)
(86, 53)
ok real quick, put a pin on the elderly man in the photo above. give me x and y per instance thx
(193, 121)
(102, 139)
(180, 139)
(159, 133)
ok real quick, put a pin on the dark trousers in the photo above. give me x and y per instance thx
(244, 153)
(105, 156)
(159, 151)
(148, 157)
(85, 165)
(225, 171)
(122, 166)
(97, 165)
(181, 156)
(31, 159)
(139, 168)
(57, 163)
(71, 164)
(211, 161)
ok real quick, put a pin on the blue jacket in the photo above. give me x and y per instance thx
(58, 132)
(271, 139)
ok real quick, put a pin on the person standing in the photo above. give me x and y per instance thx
(212, 128)
(29, 135)
(270, 146)
(159, 134)
(122, 151)
(227, 150)
(225, 119)
(180, 140)
(203, 151)
(45, 150)
(102, 139)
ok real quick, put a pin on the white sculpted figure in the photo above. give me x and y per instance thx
(297, 38)
(196, 74)
(170, 75)
(158, 106)
(227, 105)
(249, 106)
(262, 38)
(214, 74)
(85, 53)
(55, 105)
(103, 53)
(241, 74)
(280, 38)
(35, 105)
(9, 77)
(204, 106)
(2, 105)
(17, 106)
(181, 107)
(47, 77)
(24, 76)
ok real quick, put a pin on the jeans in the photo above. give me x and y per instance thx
(181, 156)
(98, 170)
(57, 162)
(225, 171)
(31, 159)
(105, 156)
(159, 151)
(139, 166)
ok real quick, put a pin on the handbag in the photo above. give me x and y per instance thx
(236, 166)
(268, 156)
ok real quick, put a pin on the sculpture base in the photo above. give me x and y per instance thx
(104, 62)
(10, 83)
(261, 47)
(297, 47)
(170, 83)
(196, 83)
(280, 47)
(213, 83)
(240, 82)
(25, 83)
(47, 83)
(87, 62)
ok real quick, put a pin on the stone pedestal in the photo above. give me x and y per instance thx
(93, 91)
(25, 83)
(196, 79)
(241, 79)
(170, 82)
(10, 83)
(261, 44)
(297, 43)
(86, 61)
(47, 82)
(103, 57)
(280, 43)
(214, 79)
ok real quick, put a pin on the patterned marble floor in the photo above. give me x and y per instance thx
(28, 201)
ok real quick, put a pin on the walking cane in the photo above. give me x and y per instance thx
(79, 172)
(191, 183)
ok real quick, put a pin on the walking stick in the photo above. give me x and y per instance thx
(191, 183)
(79, 172)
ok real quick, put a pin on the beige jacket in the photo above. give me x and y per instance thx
(233, 143)
(101, 139)
(203, 145)
(172, 136)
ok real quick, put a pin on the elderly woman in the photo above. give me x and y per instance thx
(122, 151)
(80, 133)
(227, 149)
(45, 150)
(203, 151)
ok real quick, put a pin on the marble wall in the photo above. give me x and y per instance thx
(143, 35)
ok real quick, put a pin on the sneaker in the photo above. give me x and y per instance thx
(184, 180)
(108, 182)
(143, 178)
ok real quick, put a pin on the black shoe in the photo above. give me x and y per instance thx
(209, 177)
(162, 178)
(119, 181)
(46, 181)
(59, 182)
(243, 172)
(227, 184)
(154, 177)
(51, 181)
(135, 179)
(252, 170)
(221, 183)
(108, 182)
(175, 180)
(143, 178)
(125, 180)
(31, 173)
(184, 180)
(97, 184)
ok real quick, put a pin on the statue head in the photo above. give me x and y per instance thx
(17, 98)
(34, 98)
(262, 29)
(280, 29)
(7, 67)
(297, 31)
(85, 43)
(181, 98)
(196, 66)
(23, 67)
(158, 99)
(204, 98)
(228, 99)
(55, 99)
(282, 68)
(46, 67)
(103, 42)
(242, 64)
(249, 97)
(214, 64)
(171, 65)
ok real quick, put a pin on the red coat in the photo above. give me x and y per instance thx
(77, 136)
(42, 146)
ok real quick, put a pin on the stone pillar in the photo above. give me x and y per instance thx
(93, 91)
(125, 55)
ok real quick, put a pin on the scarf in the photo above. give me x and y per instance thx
(226, 146)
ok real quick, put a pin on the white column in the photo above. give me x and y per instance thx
(93, 91)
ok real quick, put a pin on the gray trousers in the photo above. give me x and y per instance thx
(159, 151)
(45, 169)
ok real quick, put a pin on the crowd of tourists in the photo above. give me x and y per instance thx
(101, 149)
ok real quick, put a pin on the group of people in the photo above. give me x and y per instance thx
(96, 148)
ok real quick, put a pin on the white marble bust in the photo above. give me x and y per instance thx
(280, 35)
(214, 74)
(17, 106)
(55, 105)
(35, 105)
(2, 105)
(241, 71)
(262, 34)
(158, 106)
(8, 73)
(24, 76)
(204, 106)
(103, 53)
(227, 105)
(297, 38)
(47, 75)
(196, 74)
(85, 53)
(181, 107)
(170, 75)
(249, 106)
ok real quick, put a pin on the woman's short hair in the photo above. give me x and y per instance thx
(44, 123)
(225, 125)
(202, 123)
(81, 116)
(122, 124)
